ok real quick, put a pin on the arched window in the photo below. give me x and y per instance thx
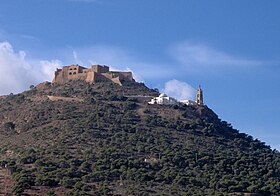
(74, 72)
(70, 73)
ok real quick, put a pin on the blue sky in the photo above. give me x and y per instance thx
(231, 48)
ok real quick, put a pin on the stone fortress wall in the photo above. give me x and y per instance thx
(97, 73)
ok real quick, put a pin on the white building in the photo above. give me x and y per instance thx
(188, 102)
(163, 99)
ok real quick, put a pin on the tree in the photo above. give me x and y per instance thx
(9, 126)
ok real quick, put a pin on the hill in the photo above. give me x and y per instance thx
(104, 139)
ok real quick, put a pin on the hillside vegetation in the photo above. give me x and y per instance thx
(102, 139)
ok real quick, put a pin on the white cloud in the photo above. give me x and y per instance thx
(48, 68)
(17, 73)
(200, 57)
(179, 90)
(137, 77)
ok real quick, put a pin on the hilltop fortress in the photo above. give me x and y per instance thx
(101, 73)
(97, 73)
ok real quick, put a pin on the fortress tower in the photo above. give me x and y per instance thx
(199, 96)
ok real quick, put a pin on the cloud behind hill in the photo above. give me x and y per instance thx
(179, 90)
(17, 73)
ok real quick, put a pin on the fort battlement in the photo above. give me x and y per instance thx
(97, 73)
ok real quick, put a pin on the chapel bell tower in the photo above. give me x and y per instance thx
(199, 96)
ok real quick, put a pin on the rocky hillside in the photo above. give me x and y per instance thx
(104, 139)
